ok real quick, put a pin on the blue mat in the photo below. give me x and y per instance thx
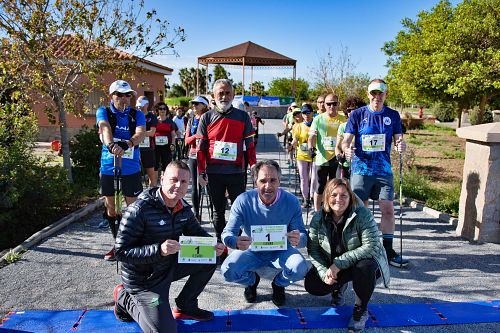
(381, 315)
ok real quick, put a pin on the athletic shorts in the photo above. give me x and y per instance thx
(373, 187)
(148, 158)
(326, 172)
(131, 185)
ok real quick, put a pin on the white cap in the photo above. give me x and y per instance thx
(142, 102)
(199, 99)
(293, 105)
(121, 87)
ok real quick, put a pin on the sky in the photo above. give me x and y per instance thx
(301, 30)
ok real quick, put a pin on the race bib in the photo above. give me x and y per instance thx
(129, 153)
(373, 142)
(224, 151)
(145, 143)
(268, 237)
(329, 142)
(197, 250)
(303, 147)
(161, 140)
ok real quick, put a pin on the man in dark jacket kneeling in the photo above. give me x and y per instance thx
(147, 245)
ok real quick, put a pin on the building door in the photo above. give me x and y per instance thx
(151, 98)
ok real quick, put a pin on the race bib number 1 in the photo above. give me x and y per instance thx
(373, 142)
(268, 237)
(161, 140)
(224, 151)
(197, 250)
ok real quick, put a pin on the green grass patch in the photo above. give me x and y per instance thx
(438, 128)
(178, 101)
(456, 154)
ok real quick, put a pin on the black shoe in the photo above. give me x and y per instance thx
(278, 294)
(251, 291)
(194, 314)
(338, 298)
(120, 313)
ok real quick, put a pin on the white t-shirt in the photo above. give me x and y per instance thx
(180, 125)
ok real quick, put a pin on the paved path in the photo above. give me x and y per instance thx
(66, 271)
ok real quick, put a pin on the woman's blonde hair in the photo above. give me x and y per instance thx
(330, 186)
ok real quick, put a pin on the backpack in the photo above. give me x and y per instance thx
(131, 120)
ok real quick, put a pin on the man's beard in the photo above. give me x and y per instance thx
(223, 105)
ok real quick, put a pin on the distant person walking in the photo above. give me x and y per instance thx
(166, 132)
(147, 146)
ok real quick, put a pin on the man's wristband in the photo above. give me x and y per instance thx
(110, 146)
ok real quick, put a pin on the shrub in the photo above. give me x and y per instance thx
(85, 150)
(444, 112)
(474, 117)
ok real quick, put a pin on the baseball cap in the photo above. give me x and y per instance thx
(121, 87)
(142, 102)
(293, 105)
(378, 86)
(295, 111)
(199, 99)
(306, 108)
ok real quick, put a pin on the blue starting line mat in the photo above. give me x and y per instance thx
(381, 315)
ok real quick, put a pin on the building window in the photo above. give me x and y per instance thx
(94, 100)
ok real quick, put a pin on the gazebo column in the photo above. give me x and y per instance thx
(243, 79)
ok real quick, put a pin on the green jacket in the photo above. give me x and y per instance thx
(360, 237)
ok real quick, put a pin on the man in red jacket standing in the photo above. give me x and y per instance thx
(222, 132)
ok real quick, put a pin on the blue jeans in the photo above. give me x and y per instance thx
(240, 266)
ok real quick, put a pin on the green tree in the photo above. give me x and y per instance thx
(284, 87)
(238, 88)
(449, 55)
(176, 91)
(220, 73)
(257, 88)
(60, 49)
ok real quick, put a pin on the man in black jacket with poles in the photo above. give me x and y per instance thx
(147, 245)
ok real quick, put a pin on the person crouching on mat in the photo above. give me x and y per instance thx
(344, 246)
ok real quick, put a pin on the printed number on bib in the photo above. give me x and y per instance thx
(145, 143)
(161, 140)
(129, 153)
(197, 250)
(329, 142)
(268, 237)
(224, 151)
(373, 142)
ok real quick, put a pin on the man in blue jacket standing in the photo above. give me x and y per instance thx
(273, 229)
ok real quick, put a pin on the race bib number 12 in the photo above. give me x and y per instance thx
(224, 151)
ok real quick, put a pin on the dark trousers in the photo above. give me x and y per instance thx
(195, 188)
(363, 276)
(151, 309)
(163, 156)
(217, 186)
(326, 172)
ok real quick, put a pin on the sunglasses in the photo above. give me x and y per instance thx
(119, 94)
(195, 103)
(162, 109)
(332, 103)
(307, 112)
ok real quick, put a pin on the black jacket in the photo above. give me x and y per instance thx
(146, 224)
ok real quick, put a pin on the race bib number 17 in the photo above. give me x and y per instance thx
(373, 142)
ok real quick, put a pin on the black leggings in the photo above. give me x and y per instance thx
(325, 172)
(163, 156)
(217, 185)
(195, 188)
(363, 276)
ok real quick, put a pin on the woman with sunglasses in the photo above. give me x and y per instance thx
(165, 134)
(305, 164)
(344, 246)
(200, 106)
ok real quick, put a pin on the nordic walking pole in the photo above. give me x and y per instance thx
(117, 173)
(401, 205)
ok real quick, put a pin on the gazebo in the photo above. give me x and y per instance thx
(246, 54)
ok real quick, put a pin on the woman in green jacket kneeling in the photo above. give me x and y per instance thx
(344, 245)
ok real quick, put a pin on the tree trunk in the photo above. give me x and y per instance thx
(460, 110)
(64, 138)
(482, 104)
